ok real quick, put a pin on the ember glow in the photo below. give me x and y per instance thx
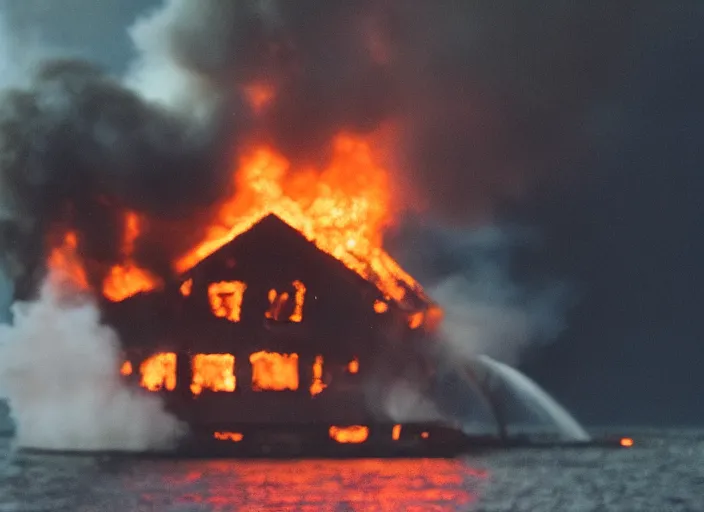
(159, 372)
(259, 96)
(354, 434)
(626, 442)
(127, 279)
(353, 366)
(226, 299)
(342, 208)
(274, 372)
(214, 372)
(234, 437)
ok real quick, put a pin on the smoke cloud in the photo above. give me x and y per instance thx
(496, 299)
(59, 372)
(461, 82)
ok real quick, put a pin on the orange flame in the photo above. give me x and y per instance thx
(235, 437)
(215, 372)
(126, 369)
(626, 442)
(425, 435)
(380, 306)
(277, 301)
(159, 372)
(226, 299)
(343, 209)
(128, 279)
(186, 288)
(65, 265)
(354, 434)
(396, 432)
(297, 314)
(317, 386)
(416, 320)
(353, 366)
(274, 372)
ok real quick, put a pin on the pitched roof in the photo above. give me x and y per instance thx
(384, 273)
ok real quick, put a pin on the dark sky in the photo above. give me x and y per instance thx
(621, 218)
(631, 235)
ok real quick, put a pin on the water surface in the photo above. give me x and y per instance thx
(665, 472)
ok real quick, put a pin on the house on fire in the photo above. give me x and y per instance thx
(269, 329)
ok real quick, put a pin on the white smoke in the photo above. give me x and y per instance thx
(404, 403)
(159, 73)
(59, 371)
(488, 311)
(155, 74)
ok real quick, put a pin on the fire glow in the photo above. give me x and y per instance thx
(159, 372)
(274, 372)
(226, 299)
(354, 434)
(127, 279)
(342, 209)
(234, 437)
(214, 372)
(65, 265)
(317, 386)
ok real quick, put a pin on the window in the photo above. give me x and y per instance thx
(274, 372)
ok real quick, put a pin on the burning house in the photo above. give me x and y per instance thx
(289, 315)
(289, 328)
(239, 254)
(271, 330)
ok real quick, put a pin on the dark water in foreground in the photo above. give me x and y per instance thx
(664, 472)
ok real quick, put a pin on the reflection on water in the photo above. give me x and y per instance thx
(663, 471)
(86, 484)
(366, 485)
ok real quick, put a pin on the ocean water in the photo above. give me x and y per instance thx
(663, 472)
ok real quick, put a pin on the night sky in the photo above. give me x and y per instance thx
(617, 203)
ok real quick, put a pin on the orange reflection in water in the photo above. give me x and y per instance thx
(415, 485)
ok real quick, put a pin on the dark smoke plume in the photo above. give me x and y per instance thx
(489, 95)
(486, 96)
(78, 149)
